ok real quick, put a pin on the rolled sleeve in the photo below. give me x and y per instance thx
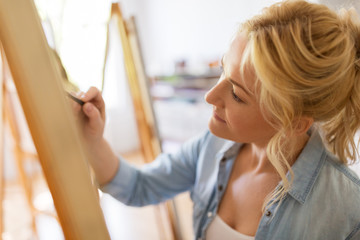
(122, 185)
(160, 180)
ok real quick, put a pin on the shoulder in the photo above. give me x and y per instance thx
(338, 185)
(341, 178)
(336, 195)
(205, 141)
(332, 200)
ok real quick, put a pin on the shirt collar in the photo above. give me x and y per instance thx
(307, 167)
(230, 149)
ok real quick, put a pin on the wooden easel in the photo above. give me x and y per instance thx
(2, 77)
(13, 119)
(63, 158)
(145, 117)
(51, 121)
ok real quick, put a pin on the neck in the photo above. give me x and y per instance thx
(257, 158)
(259, 161)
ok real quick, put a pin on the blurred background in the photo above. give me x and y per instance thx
(181, 43)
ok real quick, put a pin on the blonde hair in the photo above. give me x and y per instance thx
(307, 61)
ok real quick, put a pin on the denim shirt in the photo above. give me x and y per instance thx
(323, 202)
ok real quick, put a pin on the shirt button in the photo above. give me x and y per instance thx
(268, 213)
(220, 188)
(209, 214)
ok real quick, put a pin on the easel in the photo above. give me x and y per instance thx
(2, 78)
(63, 158)
(146, 122)
(13, 119)
(72, 205)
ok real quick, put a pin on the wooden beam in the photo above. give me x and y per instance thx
(145, 131)
(145, 117)
(2, 80)
(51, 121)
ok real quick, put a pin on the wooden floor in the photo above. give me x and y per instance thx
(123, 222)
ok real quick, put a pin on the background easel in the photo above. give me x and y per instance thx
(148, 133)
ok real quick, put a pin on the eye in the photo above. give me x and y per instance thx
(236, 98)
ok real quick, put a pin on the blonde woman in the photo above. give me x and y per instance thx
(273, 164)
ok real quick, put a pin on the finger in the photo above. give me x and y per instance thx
(93, 114)
(94, 96)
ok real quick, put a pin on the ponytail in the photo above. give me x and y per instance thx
(341, 130)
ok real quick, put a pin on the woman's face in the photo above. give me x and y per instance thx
(236, 111)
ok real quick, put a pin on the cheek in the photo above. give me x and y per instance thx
(240, 121)
(249, 121)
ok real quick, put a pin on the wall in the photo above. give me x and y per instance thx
(197, 31)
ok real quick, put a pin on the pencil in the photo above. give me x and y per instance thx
(75, 99)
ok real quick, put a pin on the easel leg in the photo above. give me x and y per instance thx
(1, 139)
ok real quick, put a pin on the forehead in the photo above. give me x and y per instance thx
(236, 48)
(236, 62)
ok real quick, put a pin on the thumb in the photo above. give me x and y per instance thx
(93, 115)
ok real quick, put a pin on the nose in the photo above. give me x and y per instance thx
(215, 95)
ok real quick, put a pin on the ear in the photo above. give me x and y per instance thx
(302, 125)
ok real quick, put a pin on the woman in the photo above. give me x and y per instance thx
(273, 165)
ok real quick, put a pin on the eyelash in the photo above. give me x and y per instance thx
(235, 97)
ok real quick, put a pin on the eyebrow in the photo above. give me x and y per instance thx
(234, 82)
(240, 86)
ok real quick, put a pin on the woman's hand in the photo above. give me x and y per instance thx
(93, 121)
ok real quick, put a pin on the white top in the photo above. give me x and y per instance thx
(218, 229)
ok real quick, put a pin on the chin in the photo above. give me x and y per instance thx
(223, 134)
(217, 132)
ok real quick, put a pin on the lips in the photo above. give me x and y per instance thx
(216, 116)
